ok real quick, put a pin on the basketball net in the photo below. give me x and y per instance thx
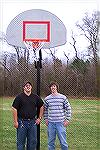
(35, 46)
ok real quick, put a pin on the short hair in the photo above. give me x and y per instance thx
(54, 83)
(26, 83)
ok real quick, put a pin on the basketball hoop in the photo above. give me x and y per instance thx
(35, 46)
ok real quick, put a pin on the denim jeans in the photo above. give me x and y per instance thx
(26, 135)
(59, 129)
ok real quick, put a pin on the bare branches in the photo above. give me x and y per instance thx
(90, 29)
(67, 58)
(74, 44)
(52, 52)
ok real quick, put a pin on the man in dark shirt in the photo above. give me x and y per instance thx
(24, 110)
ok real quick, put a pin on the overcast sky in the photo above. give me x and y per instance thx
(69, 11)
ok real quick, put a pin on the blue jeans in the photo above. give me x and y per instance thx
(59, 129)
(26, 135)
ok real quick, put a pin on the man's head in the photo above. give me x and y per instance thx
(27, 86)
(54, 86)
(27, 82)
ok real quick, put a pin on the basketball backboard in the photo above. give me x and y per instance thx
(36, 25)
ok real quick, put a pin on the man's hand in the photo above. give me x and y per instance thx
(66, 123)
(14, 111)
(16, 125)
(38, 121)
(46, 122)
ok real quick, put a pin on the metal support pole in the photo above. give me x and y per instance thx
(38, 93)
(38, 66)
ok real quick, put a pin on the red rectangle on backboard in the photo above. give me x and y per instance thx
(26, 23)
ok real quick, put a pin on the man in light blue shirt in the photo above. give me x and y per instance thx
(57, 114)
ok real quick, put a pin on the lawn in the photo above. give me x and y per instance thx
(83, 133)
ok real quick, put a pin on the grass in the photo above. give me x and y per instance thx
(83, 133)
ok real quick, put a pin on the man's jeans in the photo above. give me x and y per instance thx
(26, 135)
(59, 129)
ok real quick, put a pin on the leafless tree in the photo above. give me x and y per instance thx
(52, 53)
(66, 58)
(90, 28)
(73, 43)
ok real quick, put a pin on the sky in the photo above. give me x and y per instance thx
(68, 11)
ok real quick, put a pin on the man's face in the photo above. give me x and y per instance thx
(53, 88)
(27, 87)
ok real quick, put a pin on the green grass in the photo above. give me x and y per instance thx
(83, 133)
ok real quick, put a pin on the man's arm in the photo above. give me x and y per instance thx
(46, 113)
(40, 115)
(15, 119)
(41, 112)
(68, 112)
